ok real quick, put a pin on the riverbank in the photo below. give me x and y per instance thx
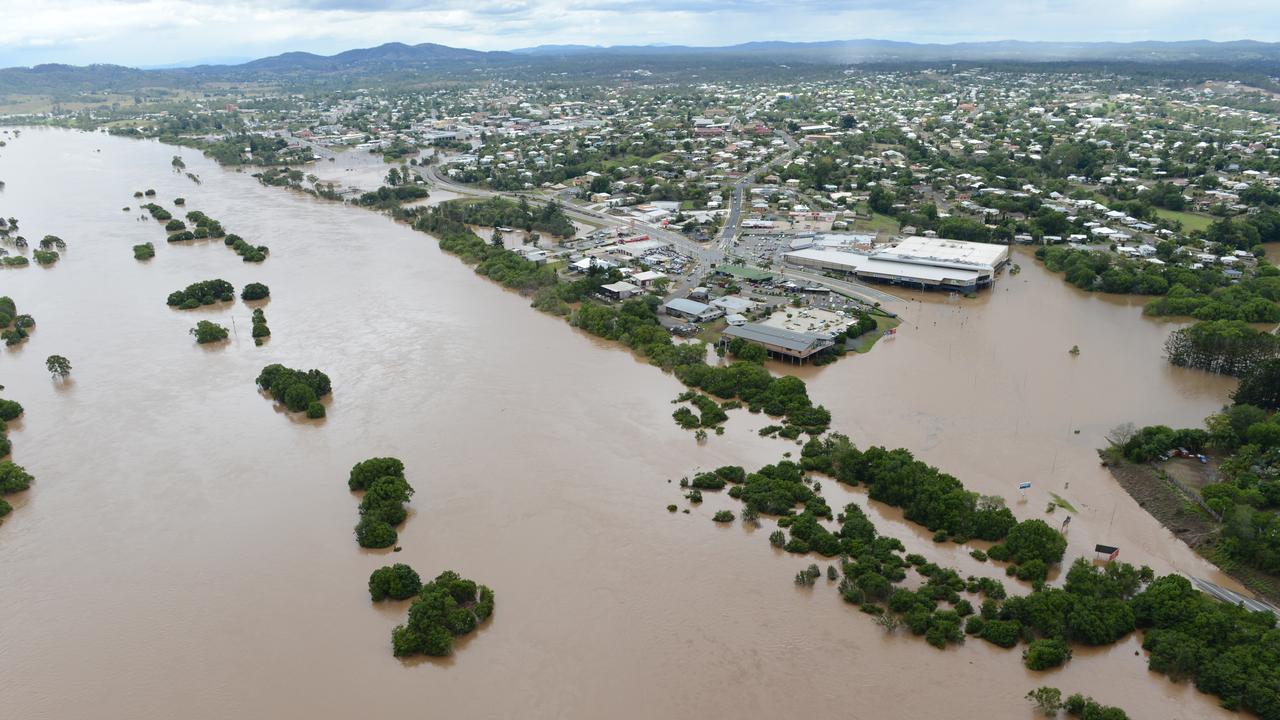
(1151, 488)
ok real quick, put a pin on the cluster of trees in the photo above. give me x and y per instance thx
(500, 212)
(262, 149)
(247, 252)
(1229, 347)
(1205, 294)
(1226, 650)
(13, 325)
(9, 410)
(446, 223)
(298, 390)
(157, 212)
(145, 251)
(45, 257)
(394, 582)
(760, 391)
(386, 490)
(261, 332)
(386, 198)
(205, 226)
(206, 292)
(447, 607)
(1154, 441)
(255, 291)
(206, 331)
(710, 412)
(927, 496)
(13, 479)
(1048, 700)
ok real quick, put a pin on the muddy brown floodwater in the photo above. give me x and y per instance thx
(186, 550)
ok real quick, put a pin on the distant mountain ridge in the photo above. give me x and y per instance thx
(394, 53)
(399, 60)
(870, 50)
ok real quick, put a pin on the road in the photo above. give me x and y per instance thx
(734, 219)
(850, 288)
(1232, 597)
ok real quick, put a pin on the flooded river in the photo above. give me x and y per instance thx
(187, 552)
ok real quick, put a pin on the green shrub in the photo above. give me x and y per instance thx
(315, 410)
(13, 478)
(365, 472)
(374, 533)
(10, 410)
(254, 291)
(297, 389)
(207, 332)
(206, 292)
(1046, 653)
(394, 582)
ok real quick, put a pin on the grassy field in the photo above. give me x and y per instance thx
(1190, 221)
(865, 343)
(877, 224)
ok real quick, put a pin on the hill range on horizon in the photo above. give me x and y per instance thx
(402, 61)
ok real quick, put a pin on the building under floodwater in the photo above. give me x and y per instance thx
(921, 262)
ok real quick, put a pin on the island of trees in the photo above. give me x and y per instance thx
(206, 292)
(297, 390)
(14, 326)
(13, 477)
(10, 410)
(1229, 347)
(260, 334)
(386, 490)
(449, 606)
(209, 332)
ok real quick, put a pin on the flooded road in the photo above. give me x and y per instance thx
(186, 550)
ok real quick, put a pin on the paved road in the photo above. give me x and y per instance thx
(850, 287)
(730, 229)
(1230, 596)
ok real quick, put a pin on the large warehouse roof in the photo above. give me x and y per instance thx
(886, 268)
(951, 253)
(778, 337)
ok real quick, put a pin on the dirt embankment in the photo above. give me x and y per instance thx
(1167, 504)
(1176, 510)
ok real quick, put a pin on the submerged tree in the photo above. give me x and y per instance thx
(58, 365)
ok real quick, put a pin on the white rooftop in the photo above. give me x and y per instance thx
(980, 256)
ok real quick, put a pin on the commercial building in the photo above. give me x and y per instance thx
(692, 310)
(779, 342)
(930, 263)
(619, 291)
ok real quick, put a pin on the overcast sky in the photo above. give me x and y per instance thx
(158, 32)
